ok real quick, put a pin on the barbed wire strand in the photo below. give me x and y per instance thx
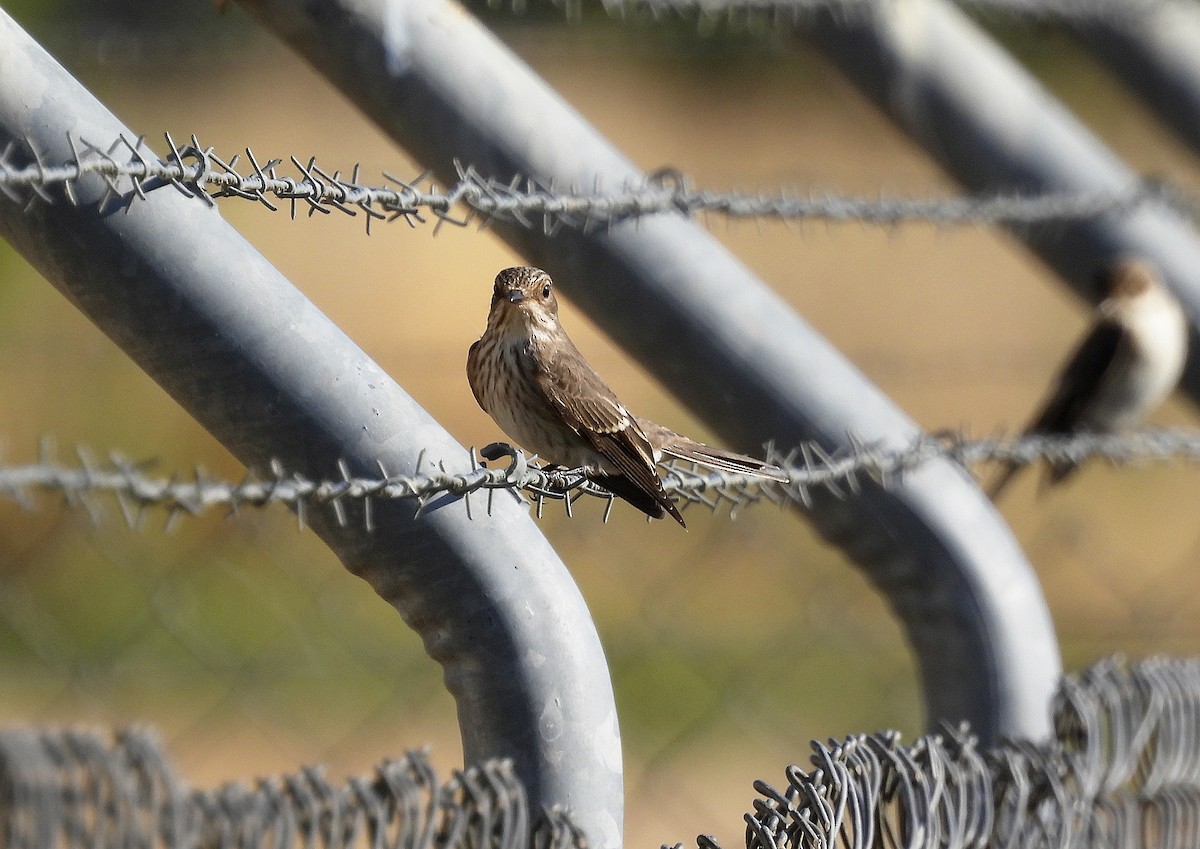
(808, 468)
(130, 171)
(1122, 770)
(752, 13)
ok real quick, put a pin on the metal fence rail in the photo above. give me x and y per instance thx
(1156, 55)
(665, 290)
(1005, 132)
(129, 259)
(270, 376)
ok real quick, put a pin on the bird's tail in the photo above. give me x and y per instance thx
(724, 461)
(1055, 474)
(676, 447)
(653, 507)
(1002, 481)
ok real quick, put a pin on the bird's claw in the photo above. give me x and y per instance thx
(561, 482)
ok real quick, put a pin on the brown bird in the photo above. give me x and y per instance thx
(531, 379)
(1126, 366)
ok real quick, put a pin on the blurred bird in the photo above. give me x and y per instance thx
(1126, 366)
(531, 379)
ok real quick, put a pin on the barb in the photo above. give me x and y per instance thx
(128, 171)
(809, 468)
(78, 789)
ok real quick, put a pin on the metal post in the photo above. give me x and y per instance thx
(1155, 49)
(441, 85)
(271, 377)
(993, 127)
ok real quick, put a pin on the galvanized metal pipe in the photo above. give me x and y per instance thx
(993, 127)
(1155, 50)
(271, 377)
(664, 289)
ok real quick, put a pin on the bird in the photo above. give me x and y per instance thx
(1127, 364)
(527, 374)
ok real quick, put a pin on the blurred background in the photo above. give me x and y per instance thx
(252, 651)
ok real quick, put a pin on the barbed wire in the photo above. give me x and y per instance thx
(808, 469)
(750, 13)
(130, 171)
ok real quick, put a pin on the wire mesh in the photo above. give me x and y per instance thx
(87, 789)
(1121, 771)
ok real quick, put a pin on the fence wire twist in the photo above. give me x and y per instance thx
(807, 468)
(130, 171)
(1122, 771)
(64, 789)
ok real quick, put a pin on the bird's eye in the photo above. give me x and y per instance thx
(546, 291)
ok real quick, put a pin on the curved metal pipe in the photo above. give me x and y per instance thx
(271, 377)
(1155, 50)
(440, 84)
(993, 127)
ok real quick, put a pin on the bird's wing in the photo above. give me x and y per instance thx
(1077, 384)
(679, 447)
(1082, 377)
(586, 404)
(474, 371)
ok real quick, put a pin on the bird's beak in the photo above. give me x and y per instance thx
(515, 296)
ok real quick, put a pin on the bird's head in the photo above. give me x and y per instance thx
(524, 297)
(1126, 277)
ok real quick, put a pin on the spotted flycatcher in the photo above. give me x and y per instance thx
(531, 379)
(1126, 366)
